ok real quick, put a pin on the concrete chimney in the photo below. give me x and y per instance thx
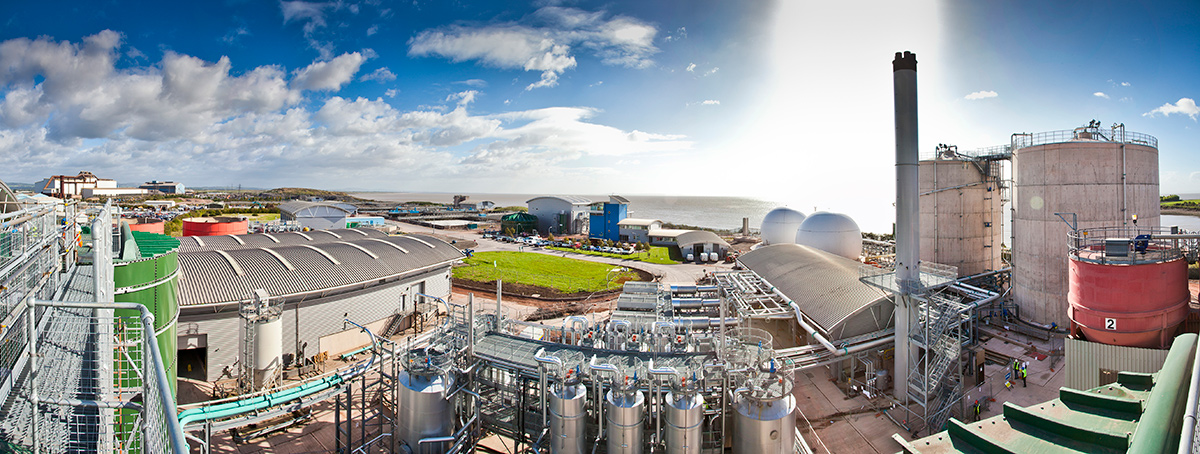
(908, 228)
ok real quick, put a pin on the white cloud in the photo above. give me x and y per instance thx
(380, 75)
(712, 71)
(691, 67)
(236, 34)
(372, 30)
(1100, 94)
(477, 83)
(65, 106)
(391, 92)
(1185, 106)
(328, 75)
(312, 14)
(1125, 84)
(543, 43)
(710, 102)
(982, 95)
(678, 34)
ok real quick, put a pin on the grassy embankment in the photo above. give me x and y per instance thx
(657, 254)
(560, 273)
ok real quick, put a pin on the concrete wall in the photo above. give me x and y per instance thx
(1081, 177)
(961, 216)
(320, 320)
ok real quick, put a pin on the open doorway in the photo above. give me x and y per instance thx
(193, 363)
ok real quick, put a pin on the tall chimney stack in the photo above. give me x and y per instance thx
(908, 240)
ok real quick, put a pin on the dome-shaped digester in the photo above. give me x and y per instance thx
(835, 233)
(1080, 173)
(1122, 292)
(779, 226)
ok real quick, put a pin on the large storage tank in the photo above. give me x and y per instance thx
(224, 225)
(835, 233)
(149, 276)
(763, 422)
(961, 214)
(568, 417)
(623, 412)
(779, 226)
(1096, 176)
(423, 411)
(149, 225)
(684, 413)
(1122, 292)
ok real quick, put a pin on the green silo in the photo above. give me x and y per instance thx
(146, 271)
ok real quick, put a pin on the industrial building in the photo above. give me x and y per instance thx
(63, 186)
(317, 215)
(632, 230)
(606, 218)
(165, 187)
(519, 222)
(561, 215)
(697, 242)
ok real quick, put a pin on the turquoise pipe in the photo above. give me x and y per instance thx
(238, 407)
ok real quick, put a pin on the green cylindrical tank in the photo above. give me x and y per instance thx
(153, 280)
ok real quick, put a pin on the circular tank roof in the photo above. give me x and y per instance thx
(779, 226)
(831, 232)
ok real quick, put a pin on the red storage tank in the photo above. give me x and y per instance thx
(151, 225)
(215, 226)
(1127, 289)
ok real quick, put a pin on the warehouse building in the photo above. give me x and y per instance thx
(319, 278)
(64, 186)
(632, 230)
(317, 215)
(696, 242)
(165, 187)
(561, 215)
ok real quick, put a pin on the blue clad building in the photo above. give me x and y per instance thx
(606, 215)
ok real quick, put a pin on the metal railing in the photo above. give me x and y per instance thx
(92, 380)
(1123, 245)
(1096, 134)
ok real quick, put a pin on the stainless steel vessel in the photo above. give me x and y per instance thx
(624, 413)
(684, 412)
(567, 417)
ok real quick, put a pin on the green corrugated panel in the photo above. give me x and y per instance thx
(161, 297)
(152, 244)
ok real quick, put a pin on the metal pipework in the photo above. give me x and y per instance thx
(574, 321)
(1189, 415)
(656, 373)
(542, 361)
(658, 328)
(599, 392)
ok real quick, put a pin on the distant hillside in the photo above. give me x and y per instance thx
(292, 193)
(19, 186)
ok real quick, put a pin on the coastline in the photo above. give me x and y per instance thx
(1180, 212)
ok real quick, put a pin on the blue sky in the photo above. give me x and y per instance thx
(787, 101)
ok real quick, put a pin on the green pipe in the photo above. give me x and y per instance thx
(1160, 425)
(238, 407)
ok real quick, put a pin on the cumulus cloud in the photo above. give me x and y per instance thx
(1185, 106)
(329, 75)
(65, 106)
(691, 67)
(983, 94)
(380, 75)
(543, 42)
(1100, 94)
(1125, 84)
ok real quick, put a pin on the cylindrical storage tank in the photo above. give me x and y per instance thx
(684, 413)
(835, 233)
(962, 222)
(623, 412)
(1081, 178)
(1136, 305)
(423, 412)
(764, 425)
(779, 226)
(153, 281)
(268, 351)
(149, 225)
(568, 418)
(225, 225)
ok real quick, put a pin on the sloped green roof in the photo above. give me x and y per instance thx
(153, 244)
(1139, 413)
(519, 216)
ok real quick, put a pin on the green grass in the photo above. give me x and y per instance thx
(263, 217)
(1192, 202)
(559, 273)
(657, 254)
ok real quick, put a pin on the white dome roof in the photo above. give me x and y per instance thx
(780, 225)
(831, 232)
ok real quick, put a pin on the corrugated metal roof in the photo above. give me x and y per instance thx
(257, 240)
(571, 199)
(209, 278)
(634, 221)
(296, 206)
(700, 236)
(824, 285)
